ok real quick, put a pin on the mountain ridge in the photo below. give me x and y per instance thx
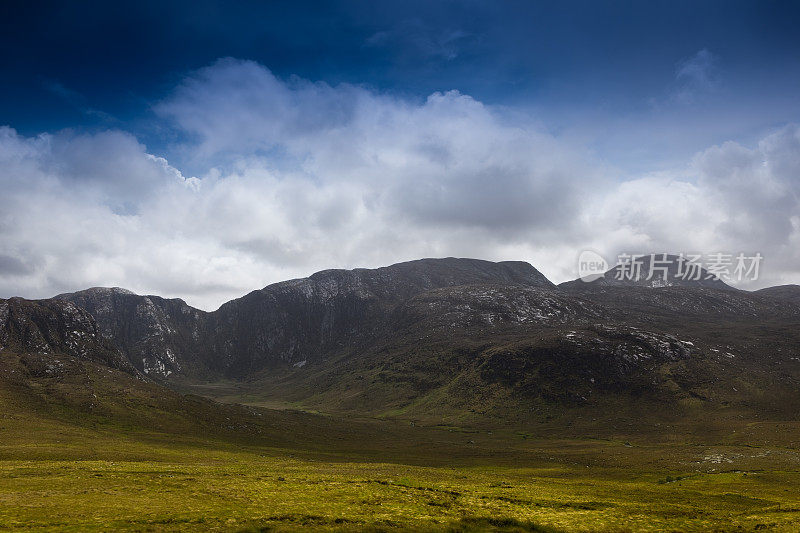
(438, 332)
(168, 337)
(789, 293)
(305, 318)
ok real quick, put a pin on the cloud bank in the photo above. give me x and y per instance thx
(300, 176)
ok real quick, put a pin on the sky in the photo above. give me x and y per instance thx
(205, 149)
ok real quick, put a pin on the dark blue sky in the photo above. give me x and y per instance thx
(103, 64)
(201, 149)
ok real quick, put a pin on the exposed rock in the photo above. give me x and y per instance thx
(160, 337)
(282, 324)
(494, 305)
(54, 327)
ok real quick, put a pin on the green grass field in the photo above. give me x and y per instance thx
(92, 449)
(64, 478)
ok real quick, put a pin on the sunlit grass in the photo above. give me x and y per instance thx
(186, 487)
(149, 460)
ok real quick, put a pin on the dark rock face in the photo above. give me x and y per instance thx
(569, 366)
(160, 337)
(462, 331)
(54, 327)
(492, 305)
(293, 322)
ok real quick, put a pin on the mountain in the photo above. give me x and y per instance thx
(159, 336)
(461, 338)
(285, 323)
(55, 327)
(676, 292)
(307, 320)
(523, 352)
(62, 381)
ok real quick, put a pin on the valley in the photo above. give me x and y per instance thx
(436, 395)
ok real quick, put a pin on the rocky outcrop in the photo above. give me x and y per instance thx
(159, 336)
(54, 327)
(573, 365)
(282, 324)
(493, 305)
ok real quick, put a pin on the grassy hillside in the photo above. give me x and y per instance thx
(540, 375)
(91, 448)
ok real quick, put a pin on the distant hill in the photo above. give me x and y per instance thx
(789, 293)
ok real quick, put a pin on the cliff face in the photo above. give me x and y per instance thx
(55, 327)
(292, 322)
(160, 337)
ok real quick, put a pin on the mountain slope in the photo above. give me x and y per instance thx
(789, 293)
(60, 379)
(304, 320)
(283, 324)
(460, 338)
(55, 327)
(160, 337)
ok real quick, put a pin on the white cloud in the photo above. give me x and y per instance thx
(303, 176)
(730, 198)
(694, 76)
(417, 40)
